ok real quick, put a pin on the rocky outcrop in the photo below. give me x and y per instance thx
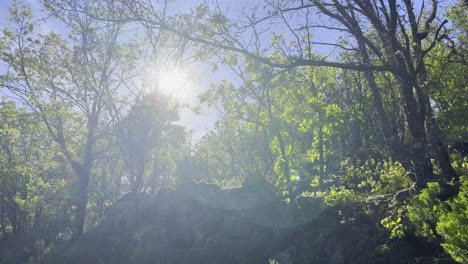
(203, 223)
(195, 223)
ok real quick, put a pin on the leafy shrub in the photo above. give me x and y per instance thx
(341, 195)
(373, 177)
(368, 178)
(424, 210)
(447, 220)
(453, 225)
(395, 224)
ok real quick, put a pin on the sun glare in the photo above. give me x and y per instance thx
(175, 83)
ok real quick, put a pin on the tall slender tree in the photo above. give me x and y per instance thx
(68, 83)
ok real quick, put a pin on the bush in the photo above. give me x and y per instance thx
(446, 220)
(424, 210)
(373, 177)
(453, 225)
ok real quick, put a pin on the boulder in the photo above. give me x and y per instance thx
(196, 222)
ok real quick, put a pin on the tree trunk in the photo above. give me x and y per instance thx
(2, 212)
(321, 155)
(433, 131)
(37, 214)
(82, 201)
(13, 217)
(420, 155)
(441, 150)
(65, 217)
(398, 150)
(139, 173)
(154, 174)
(83, 173)
(118, 187)
(287, 169)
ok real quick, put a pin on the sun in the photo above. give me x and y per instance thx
(175, 83)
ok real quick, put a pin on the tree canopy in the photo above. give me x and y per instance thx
(361, 104)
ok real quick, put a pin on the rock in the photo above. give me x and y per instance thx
(337, 257)
(195, 223)
(202, 223)
(253, 193)
(309, 207)
(283, 257)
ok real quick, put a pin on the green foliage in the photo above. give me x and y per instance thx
(394, 223)
(364, 179)
(341, 195)
(422, 212)
(393, 178)
(447, 220)
(429, 217)
(424, 209)
(452, 224)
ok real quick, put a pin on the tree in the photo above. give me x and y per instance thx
(141, 131)
(33, 189)
(384, 40)
(68, 83)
